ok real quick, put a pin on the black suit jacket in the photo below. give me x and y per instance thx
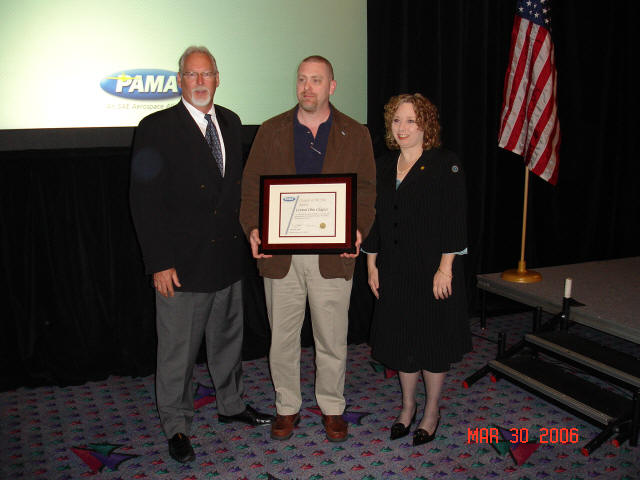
(184, 211)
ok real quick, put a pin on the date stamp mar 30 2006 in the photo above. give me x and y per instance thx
(521, 435)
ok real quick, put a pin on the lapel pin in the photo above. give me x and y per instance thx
(454, 169)
(422, 167)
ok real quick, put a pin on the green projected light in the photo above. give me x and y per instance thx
(57, 53)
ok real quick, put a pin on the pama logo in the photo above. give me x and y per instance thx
(142, 84)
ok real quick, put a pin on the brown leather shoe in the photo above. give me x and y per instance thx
(282, 427)
(336, 428)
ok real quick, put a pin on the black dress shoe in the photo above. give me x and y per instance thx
(180, 448)
(399, 430)
(421, 436)
(250, 416)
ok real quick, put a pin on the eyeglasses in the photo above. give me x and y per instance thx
(194, 75)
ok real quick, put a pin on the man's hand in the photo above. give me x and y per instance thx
(165, 280)
(254, 241)
(358, 242)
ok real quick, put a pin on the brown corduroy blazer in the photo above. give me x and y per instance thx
(349, 150)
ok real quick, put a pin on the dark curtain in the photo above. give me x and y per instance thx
(456, 52)
(78, 303)
(78, 306)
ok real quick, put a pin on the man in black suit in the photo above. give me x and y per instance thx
(185, 195)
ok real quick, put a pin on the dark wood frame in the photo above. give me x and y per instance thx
(348, 246)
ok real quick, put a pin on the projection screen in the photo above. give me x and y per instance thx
(68, 65)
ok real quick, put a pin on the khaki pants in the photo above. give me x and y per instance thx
(329, 304)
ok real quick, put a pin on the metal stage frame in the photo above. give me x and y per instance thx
(606, 297)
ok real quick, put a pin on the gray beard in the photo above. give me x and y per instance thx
(201, 102)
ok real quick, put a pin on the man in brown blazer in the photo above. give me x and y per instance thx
(312, 138)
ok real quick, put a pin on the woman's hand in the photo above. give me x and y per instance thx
(372, 268)
(374, 282)
(442, 284)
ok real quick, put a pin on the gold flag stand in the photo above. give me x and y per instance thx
(521, 274)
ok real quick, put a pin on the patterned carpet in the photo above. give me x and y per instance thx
(110, 429)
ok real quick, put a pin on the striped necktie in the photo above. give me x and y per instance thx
(214, 142)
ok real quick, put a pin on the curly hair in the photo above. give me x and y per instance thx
(426, 119)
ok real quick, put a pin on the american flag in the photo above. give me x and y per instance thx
(529, 123)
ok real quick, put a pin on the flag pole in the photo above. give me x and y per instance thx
(521, 274)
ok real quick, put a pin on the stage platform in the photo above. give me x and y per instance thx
(609, 290)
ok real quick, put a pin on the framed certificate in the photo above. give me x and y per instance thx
(308, 213)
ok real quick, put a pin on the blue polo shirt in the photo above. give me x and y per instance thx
(310, 151)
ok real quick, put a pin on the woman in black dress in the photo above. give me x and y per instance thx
(420, 324)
